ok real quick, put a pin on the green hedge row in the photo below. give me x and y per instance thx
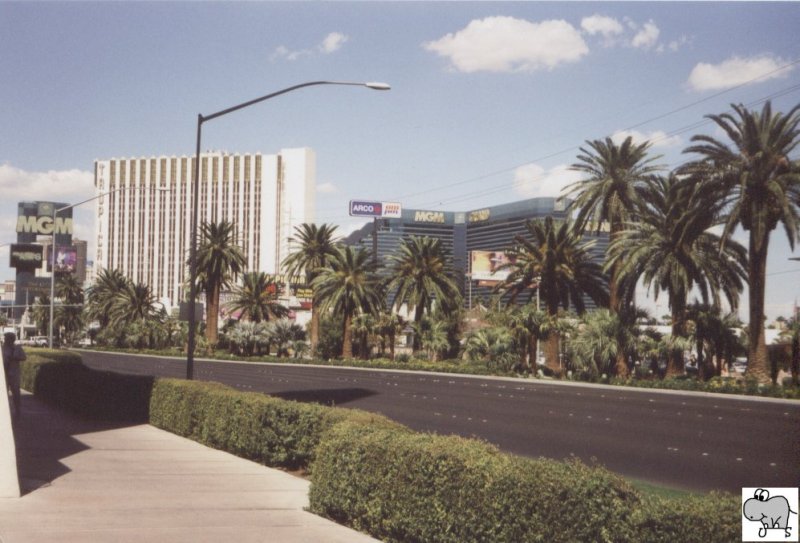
(402, 486)
(268, 430)
(60, 378)
(721, 385)
(380, 477)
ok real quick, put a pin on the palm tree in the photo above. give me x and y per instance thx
(363, 328)
(100, 296)
(555, 259)
(421, 275)
(389, 325)
(759, 185)
(529, 325)
(219, 260)
(672, 249)
(610, 191)
(316, 248)
(348, 286)
(432, 334)
(135, 310)
(600, 337)
(257, 298)
(69, 315)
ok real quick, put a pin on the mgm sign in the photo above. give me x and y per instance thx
(35, 218)
(35, 225)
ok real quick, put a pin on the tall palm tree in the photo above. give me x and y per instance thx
(554, 258)
(348, 286)
(672, 249)
(315, 248)
(421, 275)
(610, 191)
(219, 260)
(257, 298)
(759, 184)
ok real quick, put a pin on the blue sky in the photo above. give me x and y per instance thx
(489, 102)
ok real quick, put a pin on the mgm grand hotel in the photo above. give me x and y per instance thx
(475, 240)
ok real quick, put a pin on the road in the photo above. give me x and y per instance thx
(691, 441)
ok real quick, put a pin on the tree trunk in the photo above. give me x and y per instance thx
(391, 345)
(675, 359)
(314, 333)
(418, 312)
(533, 347)
(347, 338)
(551, 353)
(757, 359)
(795, 356)
(212, 316)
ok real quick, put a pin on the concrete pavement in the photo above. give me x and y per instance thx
(94, 481)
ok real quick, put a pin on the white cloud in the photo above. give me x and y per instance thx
(533, 181)
(647, 36)
(736, 71)
(657, 138)
(332, 42)
(506, 44)
(600, 24)
(327, 188)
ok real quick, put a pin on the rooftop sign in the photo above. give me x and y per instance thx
(361, 208)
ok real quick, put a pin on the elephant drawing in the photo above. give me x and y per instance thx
(772, 513)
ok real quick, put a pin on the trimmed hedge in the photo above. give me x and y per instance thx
(381, 477)
(268, 430)
(61, 379)
(404, 486)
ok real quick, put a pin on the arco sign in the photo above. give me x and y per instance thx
(363, 208)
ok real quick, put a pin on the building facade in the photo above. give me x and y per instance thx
(464, 234)
(145, 231)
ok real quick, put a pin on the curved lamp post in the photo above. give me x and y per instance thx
(196, 190)
(53, 249)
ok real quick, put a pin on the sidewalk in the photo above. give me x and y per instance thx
(94, 481)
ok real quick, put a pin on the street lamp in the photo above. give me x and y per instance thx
(53, 249)
(196, 190)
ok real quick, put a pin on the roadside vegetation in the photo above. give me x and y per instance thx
(670, 232)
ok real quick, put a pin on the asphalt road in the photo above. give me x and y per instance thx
(693, 441)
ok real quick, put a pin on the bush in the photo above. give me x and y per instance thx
(261, 428)
(710, 519)
(404, 486)
(61, 379)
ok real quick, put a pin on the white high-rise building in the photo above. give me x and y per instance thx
(145, 232)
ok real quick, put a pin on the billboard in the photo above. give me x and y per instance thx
(25, 256)
(66, 259)
(362, 208)
(485, 265)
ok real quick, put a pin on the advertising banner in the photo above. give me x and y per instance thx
(362, 208)
(66, 259)
(26, 256)
(485, 266)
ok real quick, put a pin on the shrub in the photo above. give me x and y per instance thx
(404, 486)
(261, 428)
(710, 519)
(61, 379)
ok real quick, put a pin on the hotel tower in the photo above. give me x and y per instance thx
(145, 231)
